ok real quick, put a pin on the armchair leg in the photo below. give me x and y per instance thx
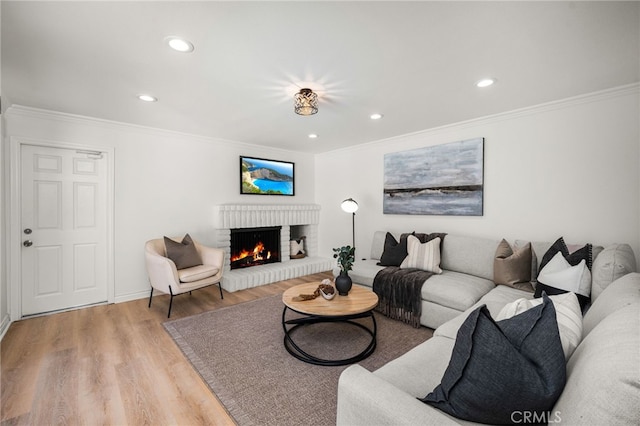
(170, 302)
(220, 287)
(150, 296)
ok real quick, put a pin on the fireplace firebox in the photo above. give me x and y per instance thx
(255, 246)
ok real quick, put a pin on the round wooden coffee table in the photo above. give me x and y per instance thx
(359, 303)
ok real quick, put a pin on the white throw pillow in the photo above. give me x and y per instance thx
(568, 315)
(297, 247)
(559, 273)
(425, 256)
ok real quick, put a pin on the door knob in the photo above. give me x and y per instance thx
(27, 243)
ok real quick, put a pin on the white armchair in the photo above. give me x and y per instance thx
(165, 277)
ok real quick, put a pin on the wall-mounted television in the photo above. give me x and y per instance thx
(262, 176)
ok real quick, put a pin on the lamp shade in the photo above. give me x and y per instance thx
(305, 102)
(349, 205)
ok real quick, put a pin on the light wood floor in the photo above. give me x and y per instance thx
(113, 364)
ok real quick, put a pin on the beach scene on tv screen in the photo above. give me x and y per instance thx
(261, 176)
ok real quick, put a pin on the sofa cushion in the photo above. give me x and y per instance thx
(620, 293)
(424, 256)
(420, 368)
(612, 263)
(568, 315)
(394, 251)
(364, 399)
(455, 290)
(434, 315)
(497, 369)
(362, 272)
(196, 273)
(603, 377)
(377, 245)
(512, 267)
(470, 255)
(184, 254)
(494, 301)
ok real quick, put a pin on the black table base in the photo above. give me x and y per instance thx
(290, 325)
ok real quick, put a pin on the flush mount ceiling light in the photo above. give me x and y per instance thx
(485, 82)
(305, 102)
(313, 136)
(147, 98)
(376, 116)
(179, 44)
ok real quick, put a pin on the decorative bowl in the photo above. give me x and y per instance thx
(328, 295)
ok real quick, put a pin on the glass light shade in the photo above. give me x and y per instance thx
(349, 205)
(305, 102)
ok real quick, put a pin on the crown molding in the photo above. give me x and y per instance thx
(599, 96)
(99, 123)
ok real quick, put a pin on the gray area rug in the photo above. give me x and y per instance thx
(239, 352)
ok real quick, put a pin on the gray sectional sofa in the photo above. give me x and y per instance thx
(467, 264)
(603, 373)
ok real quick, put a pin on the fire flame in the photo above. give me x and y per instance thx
(257, 253)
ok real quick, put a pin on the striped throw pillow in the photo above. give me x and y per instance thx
(425, 256)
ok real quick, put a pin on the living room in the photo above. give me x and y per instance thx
(563, 166)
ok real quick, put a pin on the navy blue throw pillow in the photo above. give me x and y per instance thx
(498, 371)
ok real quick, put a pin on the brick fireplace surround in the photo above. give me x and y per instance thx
(295, 219)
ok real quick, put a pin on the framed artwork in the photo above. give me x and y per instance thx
(266, 177)
(443, 179)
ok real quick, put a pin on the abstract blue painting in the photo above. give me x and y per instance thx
(436, 180)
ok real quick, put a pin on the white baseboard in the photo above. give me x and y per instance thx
(133, 296)
(4, 326)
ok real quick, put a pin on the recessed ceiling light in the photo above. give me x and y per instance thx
(179, 44)
(376, 116)
(485, 82)
(313, 136)
(147, 98)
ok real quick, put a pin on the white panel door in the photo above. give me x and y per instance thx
(64, 229)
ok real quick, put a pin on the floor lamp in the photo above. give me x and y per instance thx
(350, 206)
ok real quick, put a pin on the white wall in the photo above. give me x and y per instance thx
(165, 183)
(569, 168)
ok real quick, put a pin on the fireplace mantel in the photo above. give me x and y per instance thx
(235, 216)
